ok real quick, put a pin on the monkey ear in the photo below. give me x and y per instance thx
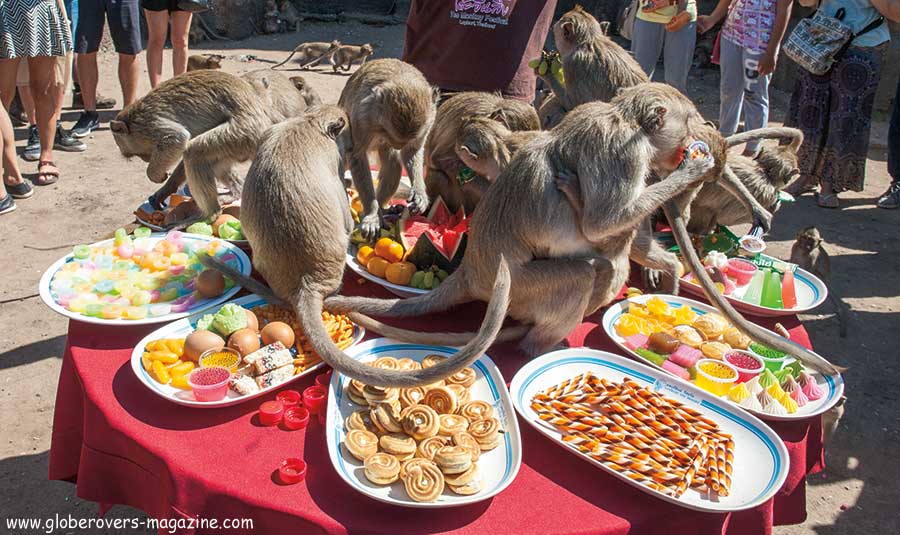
(335, 126)
(604, 27)
(500, 117)
(435, 94)
(119, 127)
(299, 82)
(656, 120)
(568, 30)
(463, 148)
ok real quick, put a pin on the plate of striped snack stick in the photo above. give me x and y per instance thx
(667, 438)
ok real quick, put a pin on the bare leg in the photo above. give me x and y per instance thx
(180, 22)
(27, 103)
(157, 25)
(88, 77)
(44, 90)
(414, 162)
(11, 174)
(129, 70)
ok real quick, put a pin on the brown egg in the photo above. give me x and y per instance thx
(221, 220)
(278, 331)
(199, 341)
(252, 322)
(244, 341)
(210, 283)
(233, 210)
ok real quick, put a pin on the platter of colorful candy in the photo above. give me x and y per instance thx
(693, 342)
(666, 438)
(260, 347)
(140, 279)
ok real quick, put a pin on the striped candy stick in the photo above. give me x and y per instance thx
(713, 480)
(725, 463)
(567, 386)
(697, 462)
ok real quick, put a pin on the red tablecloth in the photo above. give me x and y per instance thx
(122, 444)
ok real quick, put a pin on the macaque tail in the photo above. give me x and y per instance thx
(309, 313)
(772, 132)
(807, 357)
(427, 338)
(248, 283)
(288, 58)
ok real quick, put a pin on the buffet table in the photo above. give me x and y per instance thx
(121, 444)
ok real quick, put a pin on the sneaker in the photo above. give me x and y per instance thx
(22, 190)
(103, 103)
(32, 151)
(890, 199)
(65, 142)
(7, 205)
(87, 123)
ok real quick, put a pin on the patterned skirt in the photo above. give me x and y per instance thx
(834, 111)
(32, 28)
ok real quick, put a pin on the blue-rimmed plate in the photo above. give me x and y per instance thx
(50, 298)
(184, 327)
(760, 458)
(396, 289)
(832, 386)
(497, 467)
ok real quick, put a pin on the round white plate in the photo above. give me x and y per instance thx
(832, 385)
(497, 467)
(811, 292)
(243, 244)
(760, 458)
(244, 267)
(396, 289)
(184, 327)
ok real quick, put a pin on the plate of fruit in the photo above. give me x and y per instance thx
(241, 351)
(415, 253)
(141, 278)
(693, 342)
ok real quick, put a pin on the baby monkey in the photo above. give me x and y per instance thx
(311, 54)
(346, 55)
(809, 253)
(197, 62)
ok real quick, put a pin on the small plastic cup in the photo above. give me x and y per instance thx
(774, 361)
(314, 399)
(323, 379)
(746, 363)
(271, 413)
(292, 471)
(225, 357)
(288, 398)
(209, 384)
(296, 417)
(715, 376)
(741, 270)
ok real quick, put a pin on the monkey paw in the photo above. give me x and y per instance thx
(417, 202)
(370, 226)
(764, 220)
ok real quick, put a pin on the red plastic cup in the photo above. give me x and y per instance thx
(747, 364)
(323, 379)
(741, 270)
(314, 399)
(271, 412)
(292, 471)
(288, 398)
(209, 384)
(296, 417)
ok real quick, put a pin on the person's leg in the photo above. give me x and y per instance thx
(809, 111)
(12, 176)
(62, 140)
(678, 55)
(44, 85)
(32, 151)
(124, 19)
(756, 97)
(157, 27)
(27, 102)
(731, 87)
(890, 199)
(180, 23)
(646, 44)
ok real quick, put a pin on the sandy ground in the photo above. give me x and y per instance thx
(857, 494)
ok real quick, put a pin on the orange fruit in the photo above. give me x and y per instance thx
(364, 254)
(377, 266)
(400, 273)
(389, 250)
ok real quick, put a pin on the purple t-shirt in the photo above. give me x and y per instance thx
(749, 24)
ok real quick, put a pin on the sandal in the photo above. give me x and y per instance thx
(800, 187)
(53, 173)
(828, 200)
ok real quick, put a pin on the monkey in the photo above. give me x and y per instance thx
(345, 55)
(809, 253)
(391, 107)
(831, 419)
(295, 213)
(209, 119)
(290, 17)
(441, 159)
(204, 61)
(486, 146)
(550, 112)
(272, 19)
(196, 34)
(312, 53)
(284, 97)
(309, 94)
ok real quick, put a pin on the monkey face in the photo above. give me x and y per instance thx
(809, 239)
(131, 143)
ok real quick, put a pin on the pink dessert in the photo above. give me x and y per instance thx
(209, 384)
(741, 270)
(812, 390)
(675, 369)
(747, 365)
(685, 356)
(635, 341)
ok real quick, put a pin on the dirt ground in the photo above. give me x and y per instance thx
(858, 493)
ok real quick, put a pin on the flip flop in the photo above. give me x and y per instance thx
(53, 174)
(828, 200)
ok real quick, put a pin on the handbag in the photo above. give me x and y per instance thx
(819, 41)
(193, 6)
(626, 19)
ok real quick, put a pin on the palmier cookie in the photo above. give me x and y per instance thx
(468, 489)
(419, 421)
(354, 392)
(424, 482)
(462, 478)
(487, 433)
(428, 447)
(453, 459)
(465, 440)
(464, 377)
(462, 393)
(441, 399)
(361, 443)
(408, 364)
(381, 468)
(431, 360)
(386, 417)
(385, 363)
(399, 445)
(477, 410)
(376, 394)
(411, 396)
(452, 423)
(359, 420)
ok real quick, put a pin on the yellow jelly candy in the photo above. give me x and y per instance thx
(135, 313)
(684, 316)
(174, 345)
(628, 325)
(179, 259)
(161, 264)
(182, 368)
(159, 372)
(112, 312)
(180, 381)
(658, 307)
(166, 357)
(146, 362)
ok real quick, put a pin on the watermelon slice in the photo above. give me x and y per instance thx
(438, 239)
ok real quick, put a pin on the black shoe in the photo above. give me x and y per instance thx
(65, 142)
(87, 123)
(7, 205)
(890, 199)
(32, 151)
(22, 190)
